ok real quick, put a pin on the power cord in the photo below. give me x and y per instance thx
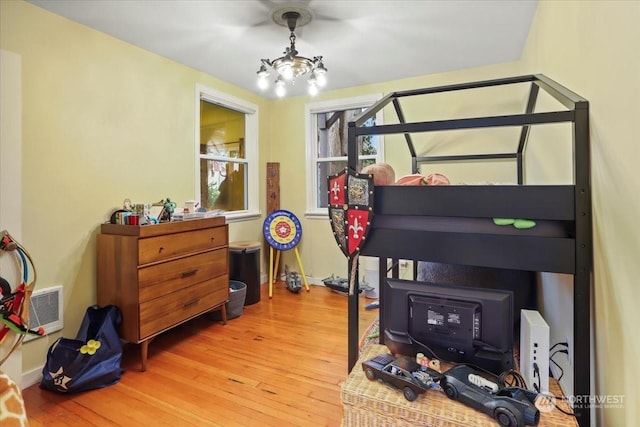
(563, 343)
(395, 263)
(565, 351)
(536, 373)
(559, 367)
(433, 353)
(564, 399)
(511, 378)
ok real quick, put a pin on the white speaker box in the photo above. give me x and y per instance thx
(534, 350)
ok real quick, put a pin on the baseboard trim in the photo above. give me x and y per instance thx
(31, 377)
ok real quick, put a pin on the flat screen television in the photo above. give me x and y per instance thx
(453, 323)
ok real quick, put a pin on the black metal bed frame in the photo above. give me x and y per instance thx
(569, 203)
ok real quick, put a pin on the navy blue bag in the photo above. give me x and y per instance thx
(91, 360)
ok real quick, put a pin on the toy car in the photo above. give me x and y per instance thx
(402, 373)
(337, 284)
(511, 406)
(293, 281)
(341, 285)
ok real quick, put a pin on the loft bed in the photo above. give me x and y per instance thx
(449, 224)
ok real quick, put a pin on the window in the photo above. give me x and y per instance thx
(226, 154)
(326, 130)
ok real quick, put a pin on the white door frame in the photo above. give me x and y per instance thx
(11, 180)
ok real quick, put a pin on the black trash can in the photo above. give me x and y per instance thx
(244, 266)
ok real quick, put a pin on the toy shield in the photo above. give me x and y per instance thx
(350, 198)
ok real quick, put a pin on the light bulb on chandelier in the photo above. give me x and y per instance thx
(263, 74)
(281, 90)
(291, 66)
(313, 85)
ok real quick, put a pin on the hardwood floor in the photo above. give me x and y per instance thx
(280, 363)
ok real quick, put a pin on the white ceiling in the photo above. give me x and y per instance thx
(361, 41)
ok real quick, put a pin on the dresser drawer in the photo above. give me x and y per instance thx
(160, 279)
(169, 310)
(154, 249)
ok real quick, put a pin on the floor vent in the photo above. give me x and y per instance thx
(46, 310)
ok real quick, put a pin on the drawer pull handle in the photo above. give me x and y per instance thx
(189, 273)
(213, 238)
(160, 249)
(192, 302)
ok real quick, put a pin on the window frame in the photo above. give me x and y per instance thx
(310, 111)
(251, 112)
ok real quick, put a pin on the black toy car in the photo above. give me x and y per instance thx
(511, 406)
(402, 373)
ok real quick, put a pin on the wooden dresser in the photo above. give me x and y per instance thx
(163, 275)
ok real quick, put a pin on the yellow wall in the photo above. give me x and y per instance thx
(102, 120)
(95, 109)
(593, 48)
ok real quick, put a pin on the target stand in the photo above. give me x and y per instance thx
(283, 232)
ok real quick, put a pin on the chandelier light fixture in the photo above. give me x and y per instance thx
(291, 65)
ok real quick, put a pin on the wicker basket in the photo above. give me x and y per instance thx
(372, 403)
